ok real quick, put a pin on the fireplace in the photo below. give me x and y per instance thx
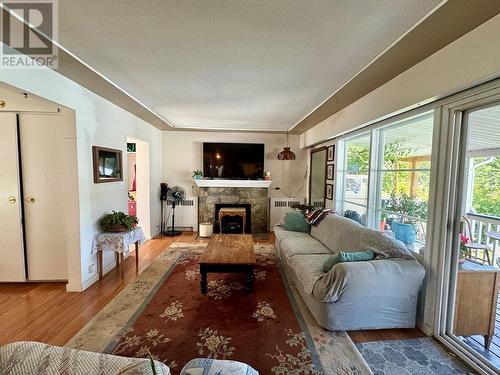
(254, 199)
(233, 224)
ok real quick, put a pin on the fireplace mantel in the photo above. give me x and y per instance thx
(234, 183)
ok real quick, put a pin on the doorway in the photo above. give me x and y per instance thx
(138, 188)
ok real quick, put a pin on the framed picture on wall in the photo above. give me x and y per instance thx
(107, 163)
(330, 171)
(329, 191)
(330, 153)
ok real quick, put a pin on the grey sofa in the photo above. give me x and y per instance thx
(381, 293)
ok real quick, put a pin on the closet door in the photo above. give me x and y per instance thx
(43, 186)
(11, 249)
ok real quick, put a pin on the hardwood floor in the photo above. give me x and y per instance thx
(45, 312)
(385, 334)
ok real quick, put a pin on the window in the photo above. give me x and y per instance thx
(356, 177)
(404, 176)
(386, 187)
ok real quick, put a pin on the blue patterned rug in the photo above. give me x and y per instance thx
(412, 356)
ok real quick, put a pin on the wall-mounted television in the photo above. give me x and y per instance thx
(237, 161)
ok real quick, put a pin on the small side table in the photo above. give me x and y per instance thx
(119, 243)
(476, 300)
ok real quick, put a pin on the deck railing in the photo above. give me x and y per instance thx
(480, 225)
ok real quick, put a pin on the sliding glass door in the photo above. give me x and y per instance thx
(472, 321)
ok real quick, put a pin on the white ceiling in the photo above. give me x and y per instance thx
(233, 64)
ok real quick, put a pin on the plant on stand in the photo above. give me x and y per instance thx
(118, 222)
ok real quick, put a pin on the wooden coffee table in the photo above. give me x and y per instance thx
(228, 253)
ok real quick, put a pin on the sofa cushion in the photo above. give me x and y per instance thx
(308, 269)
(142, 367)
(294, 221)
(297, 243)
(341, 234)
(27, 357)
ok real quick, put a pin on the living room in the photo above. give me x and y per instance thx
(250, 187)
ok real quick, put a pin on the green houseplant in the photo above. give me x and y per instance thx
(197, 174)
(118, 222)
(412, 210)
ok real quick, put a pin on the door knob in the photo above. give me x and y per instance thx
(30, 200)
(12, 199)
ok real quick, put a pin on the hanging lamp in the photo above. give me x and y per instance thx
(286, 154)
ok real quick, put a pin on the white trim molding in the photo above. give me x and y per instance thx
(234, 183)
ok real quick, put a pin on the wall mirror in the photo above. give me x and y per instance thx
(317, 177)
(107, 164)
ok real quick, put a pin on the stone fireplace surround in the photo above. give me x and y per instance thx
(256, 197)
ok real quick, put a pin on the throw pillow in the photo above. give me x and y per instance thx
(347, 257)
(294, 221)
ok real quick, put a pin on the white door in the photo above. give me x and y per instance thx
(43, 186)
(11, 249)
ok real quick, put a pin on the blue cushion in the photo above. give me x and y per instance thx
(294, 221)
(347, 257)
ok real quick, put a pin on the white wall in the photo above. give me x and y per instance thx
(183, 153)
(98, 122)
(471, 59)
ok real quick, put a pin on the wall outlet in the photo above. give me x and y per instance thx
(92, 268)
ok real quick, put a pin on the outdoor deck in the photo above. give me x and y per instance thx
(477, 342)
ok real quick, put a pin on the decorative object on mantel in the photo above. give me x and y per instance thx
(267, 176)
(118, 242)
(116, 222)
(286, 154)
(107, 164)
(330, 153)
(197, 174)
(175, 196)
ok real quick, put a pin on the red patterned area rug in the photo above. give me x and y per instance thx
(263, 328)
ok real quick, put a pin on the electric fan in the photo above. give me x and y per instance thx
(175, 196)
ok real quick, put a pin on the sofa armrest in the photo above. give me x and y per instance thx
(384, 278)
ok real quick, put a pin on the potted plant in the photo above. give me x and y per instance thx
(118, 222)
(464, 240)
(197, 174)
(412, 210)
(383, 218)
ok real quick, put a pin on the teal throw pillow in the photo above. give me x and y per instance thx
(347, 257)
(294, 221)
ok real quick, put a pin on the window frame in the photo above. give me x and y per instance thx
(376, 162)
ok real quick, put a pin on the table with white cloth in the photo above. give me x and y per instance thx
(118, 242)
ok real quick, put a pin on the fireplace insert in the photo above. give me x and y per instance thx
(233, 224)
